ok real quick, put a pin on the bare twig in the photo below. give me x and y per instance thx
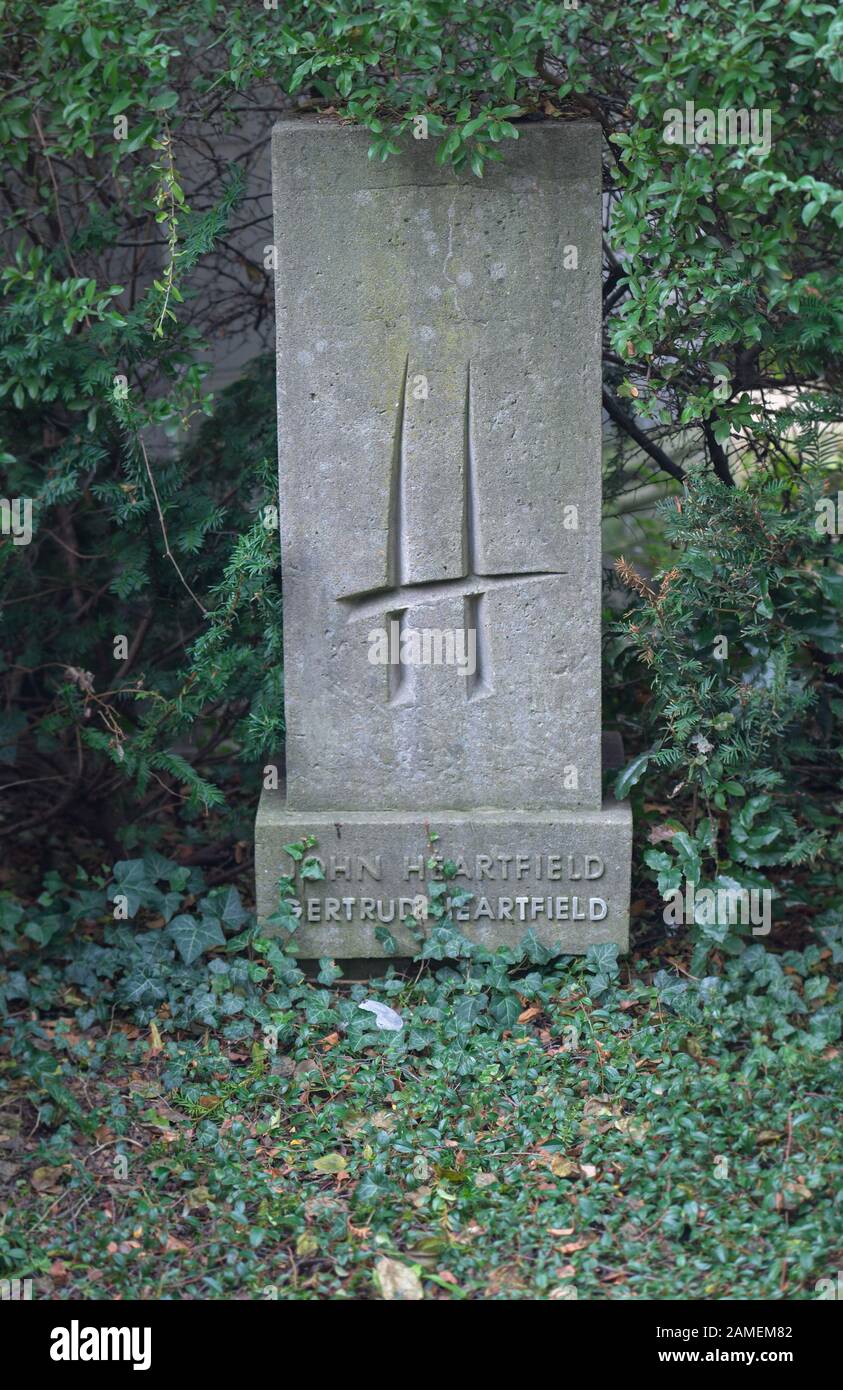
(167, 551)
(616, 412)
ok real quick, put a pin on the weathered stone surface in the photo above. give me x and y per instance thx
(564, 875)
(439, 459)
(476, 506)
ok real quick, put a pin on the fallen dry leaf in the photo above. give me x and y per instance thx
(635, 1128)
(397, 1282)
(47, 1179)
(532, 1012)
(563, 1291)
(331, 1163)
(793, 1195)
(559, 1165)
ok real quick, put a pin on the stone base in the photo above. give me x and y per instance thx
(563, 874)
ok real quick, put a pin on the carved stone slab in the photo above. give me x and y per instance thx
(439, 458)
(440, 481)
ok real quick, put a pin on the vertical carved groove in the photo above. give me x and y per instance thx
(478, 684)
(396, 559)
(470, 540)
(400, 679)
(475, 608)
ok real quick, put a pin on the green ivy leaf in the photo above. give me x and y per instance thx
(631, 774)
(195, 935)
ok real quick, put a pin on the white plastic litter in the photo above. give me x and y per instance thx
(384, 1016)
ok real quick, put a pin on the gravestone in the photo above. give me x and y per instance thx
(439, 442)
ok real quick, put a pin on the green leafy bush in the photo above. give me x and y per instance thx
(125, 690)
(740, 639)
(722, 284)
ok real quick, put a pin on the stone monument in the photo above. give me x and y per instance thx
(439, 446)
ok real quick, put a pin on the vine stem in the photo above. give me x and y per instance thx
(172, 234)
(168, 552)
(40, 131)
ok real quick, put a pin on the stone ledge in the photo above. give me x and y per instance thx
(564, 874)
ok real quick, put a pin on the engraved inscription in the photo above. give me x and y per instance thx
(519, 908)
(475, 867)
(513, 870)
